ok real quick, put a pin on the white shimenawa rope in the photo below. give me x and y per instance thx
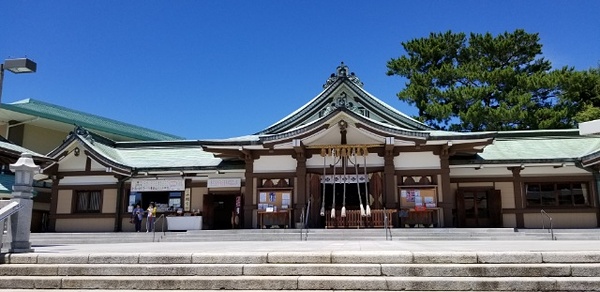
(367, 200)
(362, 208)
(323, 185)
(333, 195)
(344, 164)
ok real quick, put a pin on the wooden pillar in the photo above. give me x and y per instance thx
(301, 187)
(248, 191)
(53, 205)
(389, 174)
(449, 199)
(301, 191)
(519, 201)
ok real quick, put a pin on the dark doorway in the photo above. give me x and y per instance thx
(479, 208)
(218, 210)
(352, 199)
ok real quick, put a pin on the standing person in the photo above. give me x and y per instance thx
(137, 215)
(150, 219)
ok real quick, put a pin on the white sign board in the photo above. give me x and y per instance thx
(224, 182)
(589, 128)
(157, 185)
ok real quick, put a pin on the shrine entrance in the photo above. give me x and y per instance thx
(478, 208)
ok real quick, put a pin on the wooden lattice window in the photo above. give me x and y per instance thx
(88, 201)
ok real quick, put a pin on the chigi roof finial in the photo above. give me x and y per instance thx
(342, 72)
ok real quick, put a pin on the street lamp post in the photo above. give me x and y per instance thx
(17, 66)
(20, 222)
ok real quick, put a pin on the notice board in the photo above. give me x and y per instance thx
(418, 197)
(274, 200)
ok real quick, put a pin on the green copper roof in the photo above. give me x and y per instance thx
(9, 146)
(6, 183)
(540, 148)
(90, 121)
(146, 155)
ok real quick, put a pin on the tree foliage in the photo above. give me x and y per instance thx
(487, 82)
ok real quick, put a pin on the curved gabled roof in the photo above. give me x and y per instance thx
(66, 118)
(327, 101)
(140, 156)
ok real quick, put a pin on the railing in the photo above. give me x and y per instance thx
(550, 230)
(304, 220)
(162, 220)
(386, 225)
(5, 213)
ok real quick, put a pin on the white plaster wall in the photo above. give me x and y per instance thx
(109, 201)
(417, 160)
(486, 171)
(507, 194)
(197, 197)
(562, 220)
(73, 163)
(88, 180)
(274, 164)
(41, 139)
(509, 220)
(63, 205)
(95, 166)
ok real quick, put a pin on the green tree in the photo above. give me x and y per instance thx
(482, 83)
(581, 94)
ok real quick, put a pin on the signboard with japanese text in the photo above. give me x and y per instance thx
(224, 183)
(157, 185)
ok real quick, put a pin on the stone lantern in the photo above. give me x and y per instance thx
(22, 193)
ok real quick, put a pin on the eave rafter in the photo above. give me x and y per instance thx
(294, 135)
(591, 160)
(116, 167)
(416, 137)
(469, 147)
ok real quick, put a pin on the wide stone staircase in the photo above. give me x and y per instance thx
(325, 259)
(310, 270)
(317, 235)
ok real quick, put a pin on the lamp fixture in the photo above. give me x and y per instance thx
(22, 65)
(76, 151)
(17, 66)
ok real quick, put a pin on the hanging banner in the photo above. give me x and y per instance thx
(343, 179)
(157, 185)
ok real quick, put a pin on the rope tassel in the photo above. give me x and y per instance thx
(343, 211)
(367, 201)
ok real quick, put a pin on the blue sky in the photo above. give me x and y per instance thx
(219, 69)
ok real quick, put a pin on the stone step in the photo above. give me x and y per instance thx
(308, 257)
(396, 270)
(302, 283)
(222, 290)
(315, 235)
